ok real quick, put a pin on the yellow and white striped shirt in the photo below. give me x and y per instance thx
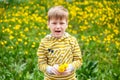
(59, 51)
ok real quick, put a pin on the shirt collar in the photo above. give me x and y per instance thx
(65, 35)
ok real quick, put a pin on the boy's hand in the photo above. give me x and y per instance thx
(53, 69)
(68, 70)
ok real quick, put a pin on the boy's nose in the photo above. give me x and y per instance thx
(58, 26)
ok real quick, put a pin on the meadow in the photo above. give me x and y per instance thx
(95, 24)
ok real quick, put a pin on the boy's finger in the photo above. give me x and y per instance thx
(56, 67)
(66, 72)
(55, 71)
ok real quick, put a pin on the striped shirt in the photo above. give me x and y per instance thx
(59, 51)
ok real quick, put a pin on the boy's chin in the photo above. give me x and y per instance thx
(58, 36)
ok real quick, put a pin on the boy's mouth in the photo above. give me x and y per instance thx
(57, 31)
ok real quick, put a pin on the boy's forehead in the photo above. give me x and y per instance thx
(56, 19)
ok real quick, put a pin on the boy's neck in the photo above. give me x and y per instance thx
(57, 37)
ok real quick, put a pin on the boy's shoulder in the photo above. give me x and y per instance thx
(71, 37)
(46, 38)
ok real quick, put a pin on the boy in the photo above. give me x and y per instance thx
(59, 54)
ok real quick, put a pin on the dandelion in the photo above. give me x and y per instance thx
(83, 38)
(25, 43)
(88, 40)
(3, 30)
(117, 44)
(19, 21)
(22, 35)
(70, 26)
(44, 33)
(36, 38)
(42, 8)
(98, 41)
(13, 20)
(39, 33)
(26, 52)
(33, 46)
(20, 40)
(33, 42)
(86, 2)
(85, 22)
(11, 37)
(26, 29)
(14, 7)
(62, 67)
(82, 28)
(16, 43)
(94, 38)
(1, 21)
(118, 54)
(17, 27)
(2, 42)
(106, 31)
(116, 31)
(107, 49)
(74, 32)
(7, 30)
(91, 15)
(11, 47)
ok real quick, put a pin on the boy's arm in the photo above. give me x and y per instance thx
(42, 59)
(77, 57)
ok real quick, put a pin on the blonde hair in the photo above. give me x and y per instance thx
(58, 12)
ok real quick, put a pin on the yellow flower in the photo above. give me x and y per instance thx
(11, 37)
(62, 67)
(20, 40)
(116, 31)
(17, 27)
(10, 47)
(65, 65)
(26, 52)
(25, 43)
(22, 35)
(26, 29)
(2, 42)
(107, 49)
(83, 38)
(33, 46)
(36, 39)
(94, 38)
(74, 32)
(17, 43)
(39, 33)
(33, 42)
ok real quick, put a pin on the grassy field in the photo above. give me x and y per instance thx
(95, 23)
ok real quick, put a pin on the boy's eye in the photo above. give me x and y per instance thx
(62, 23)
(54, 23)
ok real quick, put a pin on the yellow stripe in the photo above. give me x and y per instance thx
(64, 77)
(58, 60)
(66, 55)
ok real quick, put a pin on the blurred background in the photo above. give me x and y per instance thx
(95, 23)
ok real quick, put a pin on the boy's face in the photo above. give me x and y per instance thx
(57, 27)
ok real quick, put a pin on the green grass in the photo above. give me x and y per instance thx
(94, 23)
